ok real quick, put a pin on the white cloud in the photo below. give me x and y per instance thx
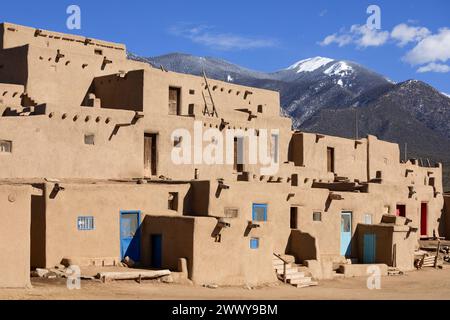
(433, 48)
(360, 35)
(434, 67)
(406, 34)
(368, 37)
(341, 40)
(205, 35)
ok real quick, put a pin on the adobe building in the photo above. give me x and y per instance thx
(87, 144)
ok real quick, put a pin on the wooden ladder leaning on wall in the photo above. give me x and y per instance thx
(208, 96)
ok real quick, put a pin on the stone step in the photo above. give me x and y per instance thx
(296, 275)
(281, 266)
(338, 275)
(288, 271)
(305, 285)
(304, 280)
(277, 262)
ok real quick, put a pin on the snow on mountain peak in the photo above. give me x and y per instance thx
(339, 69)
(446, 94)
(310, 65)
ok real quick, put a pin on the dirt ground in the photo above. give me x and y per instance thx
(429, 284)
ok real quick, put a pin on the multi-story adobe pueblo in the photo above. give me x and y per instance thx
(87, 173)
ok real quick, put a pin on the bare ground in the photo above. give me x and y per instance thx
(429, 284)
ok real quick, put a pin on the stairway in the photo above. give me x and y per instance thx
(295, 275)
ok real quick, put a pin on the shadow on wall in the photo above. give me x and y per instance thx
(444, 220)
(302, 246)
(196, 201)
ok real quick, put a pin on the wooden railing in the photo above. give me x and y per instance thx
(285, 263)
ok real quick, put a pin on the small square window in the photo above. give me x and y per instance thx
(260, 109)
(254, 243)
(5, 146)
(191, 92)
(317, 216)
(89, 139)
(98, 52)
(231, 212)
(85, 223)
(259, 212)
(368, 218)
(173, 201)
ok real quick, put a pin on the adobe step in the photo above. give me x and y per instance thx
(297, 275)
(306, 285)
(303, 280)
(288, 271)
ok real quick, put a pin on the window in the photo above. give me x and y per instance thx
(401, 210)
(254, 243)
(368, 218)
(174, 101)
(5, 146)
(192, 92)
(259, 212)
(85, 223)
(98, 52)
(294, 218)
(191, 109)
(274, 148)
(231, 212)
(173, 201)
(260, 108)
(89, 139)
(330, 159)
(294, 180)
(317, 216)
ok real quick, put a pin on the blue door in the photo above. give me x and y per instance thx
(346, 233)
(156, 251)
(130, 235)
(369, 248)
(259, 212)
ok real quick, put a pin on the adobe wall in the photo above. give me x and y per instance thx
(384, 158)
(15, 232)
(13, 35)
(231, 261)
(395, 245)
(104, 202)
(350, 158)
(177, 240)
(446, 217)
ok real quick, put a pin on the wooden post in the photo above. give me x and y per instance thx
(437, 254)
(284, 271)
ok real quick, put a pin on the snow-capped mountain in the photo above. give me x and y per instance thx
(321, 94)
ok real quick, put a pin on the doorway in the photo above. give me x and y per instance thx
(330, 160)
(346, 233)
(238, 154)
(424, 219)
(130, 235)
(150, 154)
(369, 255)
(156, 246)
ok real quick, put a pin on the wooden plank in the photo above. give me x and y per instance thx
(132, 275)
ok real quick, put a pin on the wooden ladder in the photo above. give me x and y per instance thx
(208, 96)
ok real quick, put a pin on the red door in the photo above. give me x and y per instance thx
(423, 219)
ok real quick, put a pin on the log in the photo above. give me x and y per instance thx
(132, 275)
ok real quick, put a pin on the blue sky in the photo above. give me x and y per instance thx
(413, 42)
